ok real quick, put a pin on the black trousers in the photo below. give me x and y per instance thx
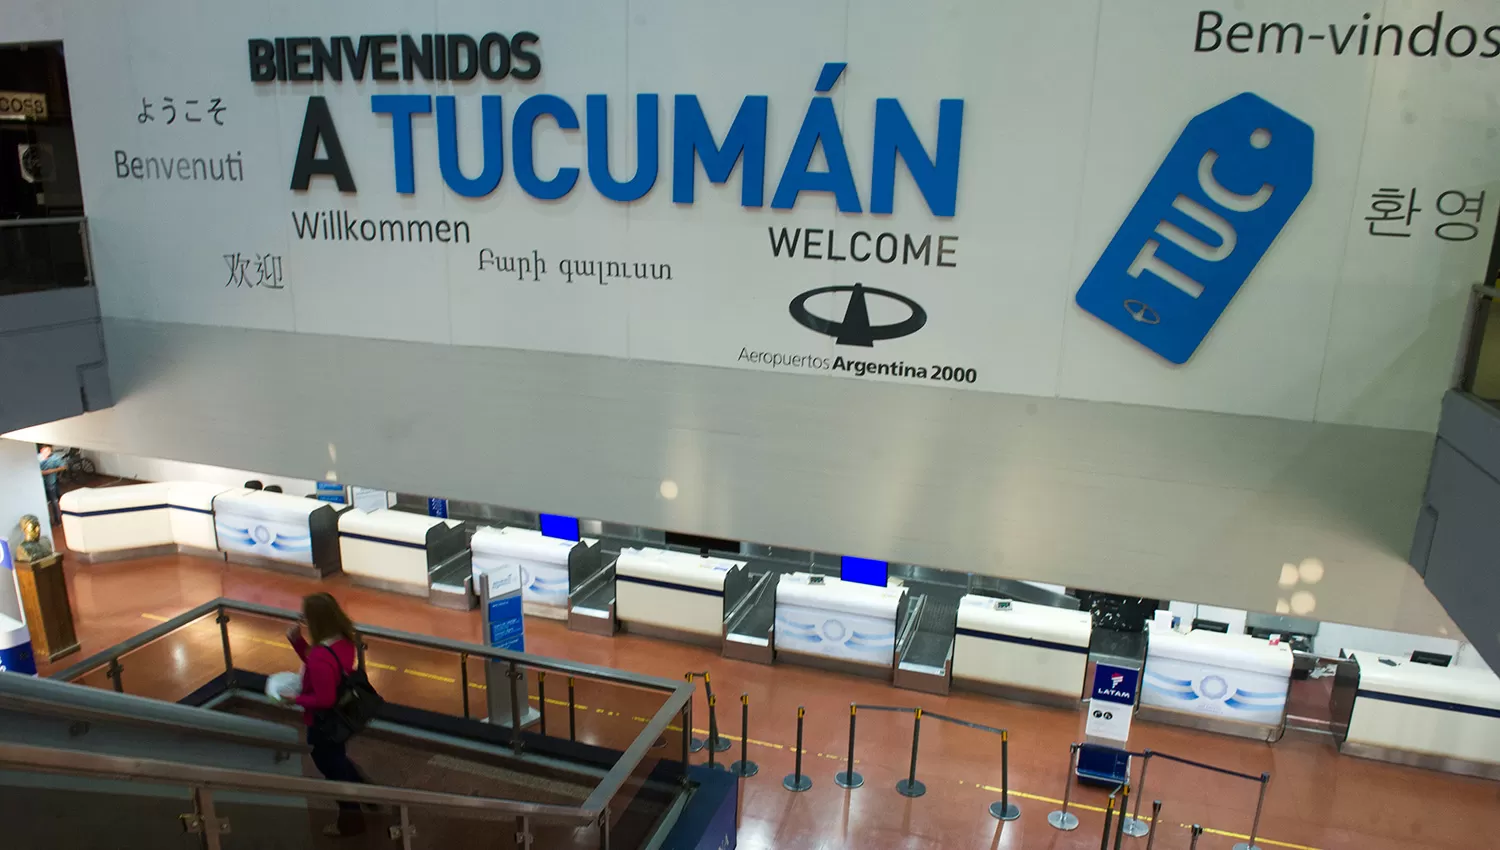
(332, 760)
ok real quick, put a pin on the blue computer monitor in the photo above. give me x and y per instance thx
(561, 527)
(864, 570)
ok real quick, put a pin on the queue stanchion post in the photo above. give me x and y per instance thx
(1265, 779)
(1005, 809)
(1155, 819)
(1124, 805)
(719, 743)
(712, 733)
(1064, 819)
(744, 768)
(1109, 817)
(911, 786)
(1196, 831)
(1133, 825)
(572, 713)
(541, 698)
(796, 781)
(847, 778)
(694, 744)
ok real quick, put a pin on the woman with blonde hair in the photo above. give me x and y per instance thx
(328, 654)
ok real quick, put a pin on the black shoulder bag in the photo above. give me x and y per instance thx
(354, 706)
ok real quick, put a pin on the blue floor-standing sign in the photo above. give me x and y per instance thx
(1111, 707)
(15, 641)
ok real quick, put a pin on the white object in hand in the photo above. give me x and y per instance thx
(284, 686)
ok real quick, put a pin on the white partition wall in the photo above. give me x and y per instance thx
(1021, 650)
(1446, 718)
(676, 594)
(845, 622)
(543, 561)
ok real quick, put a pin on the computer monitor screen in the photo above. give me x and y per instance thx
(864, 571)
(1436, 659)
(561, 527)
(1210, 626)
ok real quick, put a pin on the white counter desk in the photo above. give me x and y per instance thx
(139, 520)
(278, 531)
(1035, 653)
(1442, 718)
(543, 561)
(837, 623)
(396, 550)
(672, 594)
(1232, 684)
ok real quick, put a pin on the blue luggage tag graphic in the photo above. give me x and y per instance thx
(1220, 198)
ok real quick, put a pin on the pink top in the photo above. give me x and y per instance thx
(321, 674)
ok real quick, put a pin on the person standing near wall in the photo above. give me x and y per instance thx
(53, 466)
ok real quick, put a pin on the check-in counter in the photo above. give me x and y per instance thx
(1017, 650)
(1232, 684)
(1441, 718)
(278, 531)
(839, 624)
(396, 550)
(676, 595)
(543, 561)
(139, 520)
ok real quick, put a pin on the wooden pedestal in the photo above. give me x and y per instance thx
(49, 614)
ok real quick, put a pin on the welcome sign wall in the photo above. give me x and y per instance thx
(1270, 211)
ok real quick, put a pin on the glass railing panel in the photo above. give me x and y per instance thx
(174, 665)
(51, 811)
(41, 254)
(451, 829)
(258, 644)
(256, 821)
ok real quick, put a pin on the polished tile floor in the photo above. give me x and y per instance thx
(1317, 798)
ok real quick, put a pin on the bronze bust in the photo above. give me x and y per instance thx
(34, 546)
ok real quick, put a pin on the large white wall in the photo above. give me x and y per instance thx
(159, 469)
(1069, 108)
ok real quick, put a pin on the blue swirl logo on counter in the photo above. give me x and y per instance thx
(1213, 688)
(540, 587)
(833, 633)
(262, 539)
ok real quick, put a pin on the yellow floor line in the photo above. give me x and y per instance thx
(155, 617)
(434, 677)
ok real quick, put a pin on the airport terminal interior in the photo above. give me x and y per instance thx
(500, 425)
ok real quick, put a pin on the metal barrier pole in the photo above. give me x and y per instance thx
(514, 676)
(796, 781)
(1155, 819)
(1124, 804)
(1265, 779)
(463, 680)
(541, 698)
(1197, 831)
(1005, 810)
(910, 786)
(719, 743)
(694, 744)
(744, 768)
(1133, 825)
(1109, 816)
(223, 621)
(1063, 819)
(713, 732)
(113, 673)
(572, 720)
(847, 778)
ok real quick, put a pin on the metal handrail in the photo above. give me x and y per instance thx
(679, 692)
(539, 662)
(23, 757)
(91, 714)
(43, 222)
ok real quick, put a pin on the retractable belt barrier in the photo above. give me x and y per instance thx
(1132, 824)
(1003, 809)
(717, 742)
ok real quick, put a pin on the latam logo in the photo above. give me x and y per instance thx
(1116, 679)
